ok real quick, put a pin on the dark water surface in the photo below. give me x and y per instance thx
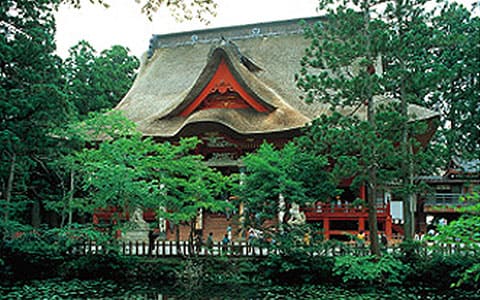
(89, 289)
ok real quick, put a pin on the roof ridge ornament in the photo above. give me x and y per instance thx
(256, 31)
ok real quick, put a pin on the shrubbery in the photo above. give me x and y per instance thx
(371, 270)
(38, 257)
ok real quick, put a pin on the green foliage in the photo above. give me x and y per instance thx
(110, 266)
(336, 67)
(200, 272)
(31, 103)
(95, 82)
(465, 232)
(457, 32)
(364, 54)
(348, 142)
(297, 267)
(75, 289)
(291, 172)
(128, 171)
(106, 289)
(189, 186)
(470, 276)
(440, 271)
(368, 270)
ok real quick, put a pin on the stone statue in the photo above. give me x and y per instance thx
(281, 208)
(137, 228)
(296, 216)
(138, 221)
(162, 222)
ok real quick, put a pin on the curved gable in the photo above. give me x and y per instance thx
(217, 87)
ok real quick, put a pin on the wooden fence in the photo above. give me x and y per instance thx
(244, 249)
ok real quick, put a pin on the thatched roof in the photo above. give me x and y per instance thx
(262, 57)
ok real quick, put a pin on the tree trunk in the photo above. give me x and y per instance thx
(406, 172)
(70, 197)
(177, 237)
(372, 172)
(8, 192)
(372, 213)
(406, 169)
(36, 218)
(191, 246)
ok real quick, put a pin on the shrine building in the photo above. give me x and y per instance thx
(448, 194)
(234, 88)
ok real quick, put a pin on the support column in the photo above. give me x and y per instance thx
(388, 227)
(326, 228)
(361, 224)
(363, 195)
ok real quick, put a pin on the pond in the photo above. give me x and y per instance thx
(89, 289)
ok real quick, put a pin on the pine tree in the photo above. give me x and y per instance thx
(343, 48)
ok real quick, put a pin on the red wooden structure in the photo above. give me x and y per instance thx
(341, 219)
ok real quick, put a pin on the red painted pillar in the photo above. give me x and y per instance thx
(326, 228)
(363, 195)
(388, 227)
(361, 224)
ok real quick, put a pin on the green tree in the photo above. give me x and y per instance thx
(341, 69)
(465, 232)
(457, 34)
(128, 171)
(412, 74)
(344, 51)
(189, 187)
(31, 103)
(290, 173)
(95, 82)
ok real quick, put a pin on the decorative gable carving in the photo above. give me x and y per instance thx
(223, 91)
(222, 87)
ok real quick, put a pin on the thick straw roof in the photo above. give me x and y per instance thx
(262, 57)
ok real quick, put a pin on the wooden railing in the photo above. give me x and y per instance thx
(333, 209)
(446, 199)
(244, 249)
(172, 249)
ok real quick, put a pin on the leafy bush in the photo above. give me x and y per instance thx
(470, 276)
(370, 270)
(40, 253)
(107, 266)
(443, 271)
(297, 267)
